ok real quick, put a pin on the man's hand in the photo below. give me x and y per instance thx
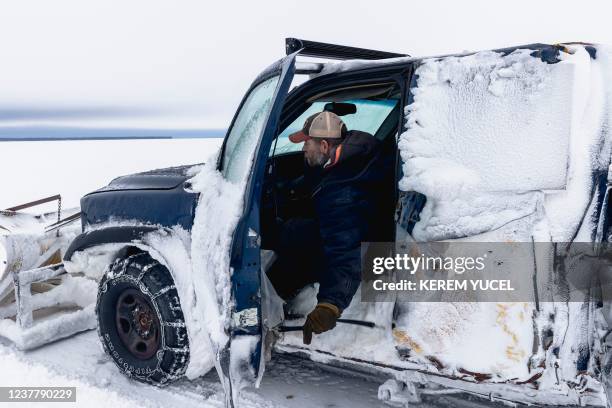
(321, 319)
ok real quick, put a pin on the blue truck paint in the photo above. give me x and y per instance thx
(155, 197)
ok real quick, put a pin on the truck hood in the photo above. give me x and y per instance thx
(160, 179)
(153, 197)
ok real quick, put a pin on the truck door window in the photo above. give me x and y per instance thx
(368, 118)
(244, 135)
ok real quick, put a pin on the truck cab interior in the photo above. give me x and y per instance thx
(372, 108)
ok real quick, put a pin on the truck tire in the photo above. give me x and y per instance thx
(140, 320)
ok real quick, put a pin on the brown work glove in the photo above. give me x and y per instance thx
(321, 319)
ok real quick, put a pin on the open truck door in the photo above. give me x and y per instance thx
(241, 360)
(253, 310)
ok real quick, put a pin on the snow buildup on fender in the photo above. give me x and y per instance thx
(216, 217)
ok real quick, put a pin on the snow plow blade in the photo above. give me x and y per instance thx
(39, 301)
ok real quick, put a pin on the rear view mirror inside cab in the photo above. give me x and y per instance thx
(341, 108)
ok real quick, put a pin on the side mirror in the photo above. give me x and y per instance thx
(340, 108)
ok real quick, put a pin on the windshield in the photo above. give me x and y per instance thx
(368, 118)
(244, 135)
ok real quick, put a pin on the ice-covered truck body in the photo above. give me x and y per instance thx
(501, 146)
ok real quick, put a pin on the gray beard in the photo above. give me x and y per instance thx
(318, 161)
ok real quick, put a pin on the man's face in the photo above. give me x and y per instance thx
(315, 152)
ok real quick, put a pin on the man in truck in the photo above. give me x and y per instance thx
(344, 175)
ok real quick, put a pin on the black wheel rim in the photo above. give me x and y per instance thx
(137, 324)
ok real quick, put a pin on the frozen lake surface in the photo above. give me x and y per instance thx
(289, 382)
(35, 169)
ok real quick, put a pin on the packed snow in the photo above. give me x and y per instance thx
(480, 141)
(219, 200)
(289, 383)
(479, 175)
(220, 206)
(523, 181)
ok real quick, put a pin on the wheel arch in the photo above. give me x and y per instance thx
(130, 236)
(171, 247)
(117, 242)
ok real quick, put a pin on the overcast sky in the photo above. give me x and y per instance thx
(188, 63)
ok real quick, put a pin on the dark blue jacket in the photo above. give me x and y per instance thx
(349, 202)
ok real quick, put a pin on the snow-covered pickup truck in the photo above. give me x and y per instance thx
(510, 145)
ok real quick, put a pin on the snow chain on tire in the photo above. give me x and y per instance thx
(153, 284)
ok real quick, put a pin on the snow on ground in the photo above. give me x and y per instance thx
(289, 382)
(80, 362)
